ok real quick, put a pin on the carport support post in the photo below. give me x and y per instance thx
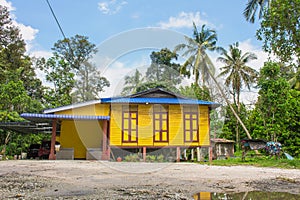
(144, 153)
(105, 150)
(53, 139)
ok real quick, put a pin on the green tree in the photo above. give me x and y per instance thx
(132, 83)
(12, 46)
(77, 52)
(89, 83)
(60, 74)
(294, 81)
(276, 114)
(20, 90)
(198, 62)
(280, 30)
(162, 69)
(238, 74)
(14, 64)
(230, 124)
(252, 6)
(195, 91)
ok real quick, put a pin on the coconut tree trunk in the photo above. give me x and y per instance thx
(237, 123)
(230, 106)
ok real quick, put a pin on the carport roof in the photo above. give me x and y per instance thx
(43, 117)
(27, 127)
(42, 123)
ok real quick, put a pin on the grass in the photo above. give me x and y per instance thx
(259, 161)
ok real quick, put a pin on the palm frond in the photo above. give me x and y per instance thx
(250, 10)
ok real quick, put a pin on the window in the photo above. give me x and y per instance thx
(191, 127)
(160, 123)
(129, 124)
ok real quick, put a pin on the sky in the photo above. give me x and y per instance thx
(127, 31)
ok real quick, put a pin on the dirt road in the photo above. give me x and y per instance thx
(32, 179)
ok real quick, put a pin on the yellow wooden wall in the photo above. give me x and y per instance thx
(175, 125)
(204, 126)
(116, 125)
(82, 134)
(145, 127)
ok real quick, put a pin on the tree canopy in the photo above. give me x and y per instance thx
(280, 30)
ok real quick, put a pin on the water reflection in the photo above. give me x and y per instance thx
(253, 195)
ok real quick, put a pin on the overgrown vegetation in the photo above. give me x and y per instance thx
(149, 158)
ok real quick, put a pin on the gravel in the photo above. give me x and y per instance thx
(77, 179)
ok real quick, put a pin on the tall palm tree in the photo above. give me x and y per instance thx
(252, 6)
(132, 83)
(205, 40)
(198, 61)
(239, 74)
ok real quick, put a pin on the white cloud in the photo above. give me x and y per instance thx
(185, 20)
(111, 7)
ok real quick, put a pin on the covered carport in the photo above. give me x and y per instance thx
(50, 123)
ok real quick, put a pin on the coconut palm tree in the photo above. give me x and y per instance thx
(198, 61)
(238, 73)
(252, 6)
(132, 83)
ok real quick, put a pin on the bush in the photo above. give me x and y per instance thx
(132, 158)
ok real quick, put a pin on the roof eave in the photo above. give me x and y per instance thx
(72, 106)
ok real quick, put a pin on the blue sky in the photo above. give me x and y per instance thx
(117, 24)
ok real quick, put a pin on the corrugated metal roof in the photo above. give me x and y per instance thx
(71, 117)
(157, 101)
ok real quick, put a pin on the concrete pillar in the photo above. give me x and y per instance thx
(177, 154)
(53, 139)
(210, 154)
(198, 154)
(184, 154)
(192, 154)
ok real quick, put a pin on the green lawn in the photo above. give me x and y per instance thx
(260, 161)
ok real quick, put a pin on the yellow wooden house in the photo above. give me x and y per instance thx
(152, 119)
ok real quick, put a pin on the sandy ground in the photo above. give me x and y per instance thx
(32, 179)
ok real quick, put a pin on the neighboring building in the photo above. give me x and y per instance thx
(151, 119)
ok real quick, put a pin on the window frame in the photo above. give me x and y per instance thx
(163, 116)
(130, 110)
(193, 116)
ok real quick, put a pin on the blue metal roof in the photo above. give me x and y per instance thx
(143, 100)
(71, 117)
